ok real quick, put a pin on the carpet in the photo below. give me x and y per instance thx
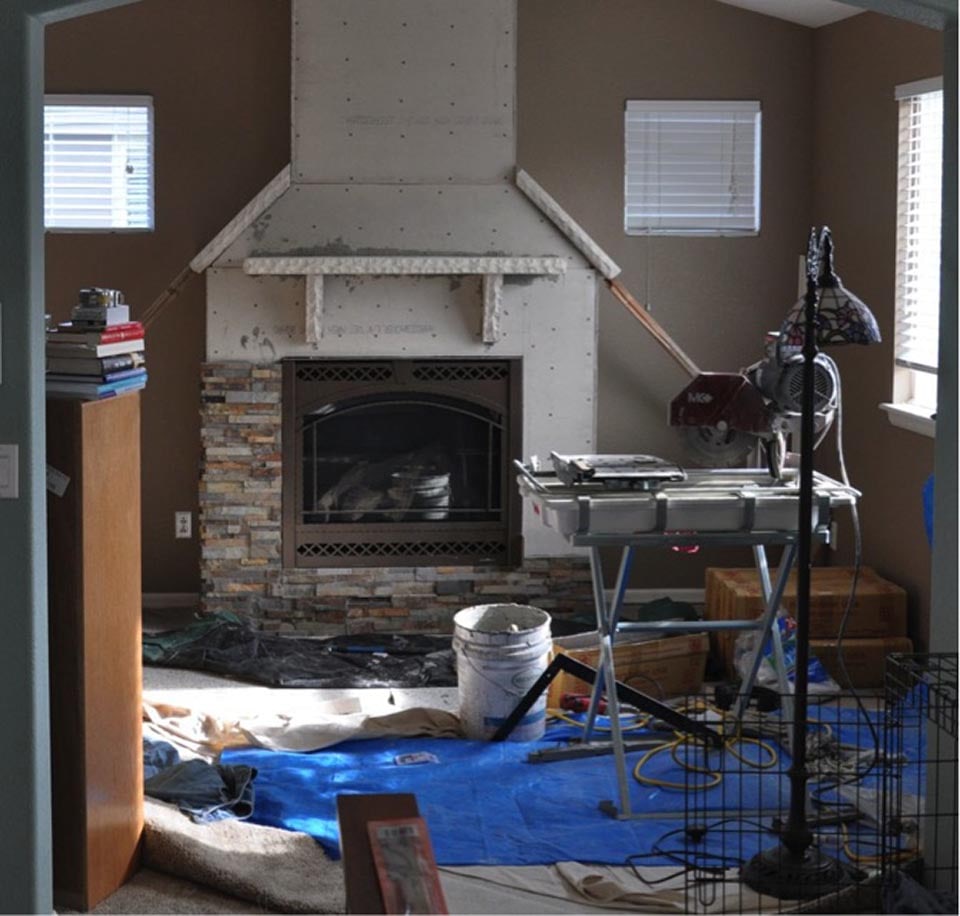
(277, 870)
(153, 892)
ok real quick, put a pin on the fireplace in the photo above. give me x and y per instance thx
(372, 315)
(400, 462)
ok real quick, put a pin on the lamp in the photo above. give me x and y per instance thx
(826, 315)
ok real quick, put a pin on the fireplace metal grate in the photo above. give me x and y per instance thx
(474, 549)
(461, 373)
(317, 372)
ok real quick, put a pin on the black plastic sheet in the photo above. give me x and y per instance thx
(226, 644)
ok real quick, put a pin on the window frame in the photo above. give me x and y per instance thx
(913, 403)
(734, 108)
(91, 100)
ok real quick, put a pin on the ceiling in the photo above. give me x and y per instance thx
(812, 13)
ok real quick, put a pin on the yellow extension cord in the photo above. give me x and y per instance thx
(730, 744)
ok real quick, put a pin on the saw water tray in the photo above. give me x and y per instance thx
(708, 500)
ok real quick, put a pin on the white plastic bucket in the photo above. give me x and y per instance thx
(501, 649)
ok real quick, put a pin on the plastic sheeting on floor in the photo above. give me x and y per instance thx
(226, 644)
(486, 805)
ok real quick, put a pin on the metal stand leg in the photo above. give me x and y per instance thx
(783, 677)
(606, 626)
(611, 615)
(773, 603)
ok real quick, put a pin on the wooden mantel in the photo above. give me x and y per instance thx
(491, 268)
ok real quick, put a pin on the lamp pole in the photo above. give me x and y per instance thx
(797, 836)
(795, 868)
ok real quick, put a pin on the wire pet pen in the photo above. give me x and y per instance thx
(920, 802)
(882, 797)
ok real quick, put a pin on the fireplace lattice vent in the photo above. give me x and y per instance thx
(317, 372)
(461, 373)
(485, 550)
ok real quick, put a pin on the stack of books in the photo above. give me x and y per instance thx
(99, 353)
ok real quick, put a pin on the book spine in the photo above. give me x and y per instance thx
(115, 334)
(98, 351)
(125, 374)
(112, 334)
(118, 363)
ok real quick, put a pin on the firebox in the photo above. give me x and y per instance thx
(400, 462)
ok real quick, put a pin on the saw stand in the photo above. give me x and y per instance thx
(609, 624)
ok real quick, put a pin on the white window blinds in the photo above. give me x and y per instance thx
(692, 167)
(918, 225)
(98, 162)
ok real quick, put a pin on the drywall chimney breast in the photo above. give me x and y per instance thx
(403, 91)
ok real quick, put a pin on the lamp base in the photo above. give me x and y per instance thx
(786, 875)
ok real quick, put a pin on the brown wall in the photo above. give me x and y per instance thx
(858, 63)
(219, 73)
(579, 61)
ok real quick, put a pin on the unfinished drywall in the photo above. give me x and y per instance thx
(432, 82)
(859, 62)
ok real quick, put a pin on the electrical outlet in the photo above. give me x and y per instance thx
(182, 523)
(834, 530)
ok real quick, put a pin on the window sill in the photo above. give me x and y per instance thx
(912, 418)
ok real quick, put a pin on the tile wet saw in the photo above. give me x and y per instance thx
(726, 416)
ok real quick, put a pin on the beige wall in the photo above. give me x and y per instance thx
(219, 74)
(858, 63)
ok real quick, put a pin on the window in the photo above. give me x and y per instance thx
(98, 162)
(692, 168)
(917, 298)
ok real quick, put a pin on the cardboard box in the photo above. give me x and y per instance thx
(662, 668)
(879, 609)
(865, 659)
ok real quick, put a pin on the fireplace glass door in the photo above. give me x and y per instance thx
(399, 462)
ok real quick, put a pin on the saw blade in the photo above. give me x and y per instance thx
(719, 448)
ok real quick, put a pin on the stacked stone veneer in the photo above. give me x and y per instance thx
(241, 531)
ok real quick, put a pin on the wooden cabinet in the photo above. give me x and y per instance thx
(93, 532)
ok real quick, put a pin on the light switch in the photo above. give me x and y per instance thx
(9, 471)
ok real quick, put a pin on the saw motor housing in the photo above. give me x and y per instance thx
(726, 415)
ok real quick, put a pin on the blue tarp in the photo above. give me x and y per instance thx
(486, 805)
